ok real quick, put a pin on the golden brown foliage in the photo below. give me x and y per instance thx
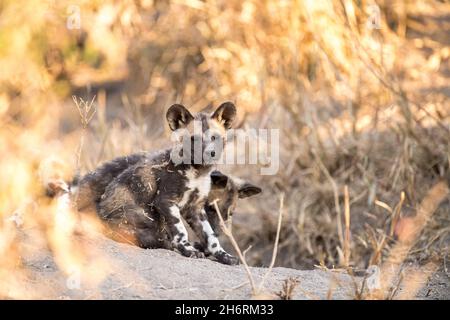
(363, 113)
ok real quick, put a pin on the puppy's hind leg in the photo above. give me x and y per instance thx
(150, 231)
(149, 238)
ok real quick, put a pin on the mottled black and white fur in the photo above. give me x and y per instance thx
(154, 183)
(225, 191)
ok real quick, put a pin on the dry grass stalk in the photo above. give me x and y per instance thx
(230, 236)
(384, 206)
(378, 244)
(289, 286)
(407, 237)
(396, 214)
(257, 291)
(86, 110)
(275, 247)
(347, 228)
(336, 197)
(358, 290)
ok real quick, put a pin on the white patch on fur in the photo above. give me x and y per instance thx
(237, 181)
(175, 212)
(211, 238)
(200, 184)
(217, 127)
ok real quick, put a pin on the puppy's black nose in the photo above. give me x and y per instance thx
(213, 154)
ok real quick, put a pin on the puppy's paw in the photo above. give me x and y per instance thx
(197, 255)
(226, 258)
(189, 251)
(202, 248)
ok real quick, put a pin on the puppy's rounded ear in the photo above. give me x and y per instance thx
(225, 114)
(218, 179)
(247, 190)
(178, 117)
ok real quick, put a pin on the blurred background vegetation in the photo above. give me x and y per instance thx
(361, 102)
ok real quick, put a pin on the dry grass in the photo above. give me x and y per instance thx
(289, 286)
(391, 269)
(363, 114)
(258, 292)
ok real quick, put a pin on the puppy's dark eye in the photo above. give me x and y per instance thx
(213, 138)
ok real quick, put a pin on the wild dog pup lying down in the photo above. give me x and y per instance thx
(150, 231)
(226, 190)
(138, 184)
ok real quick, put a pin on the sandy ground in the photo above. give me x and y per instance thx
(112, 270)
(437, 288)
(122, 271)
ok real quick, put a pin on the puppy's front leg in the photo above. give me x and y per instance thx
(178, 231)
(202, 228)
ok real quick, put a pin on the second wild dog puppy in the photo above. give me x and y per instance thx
(226, 190)
(170, 188)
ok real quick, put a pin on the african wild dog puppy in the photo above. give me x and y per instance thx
(224, 189)
(227, 190)
(171, 189)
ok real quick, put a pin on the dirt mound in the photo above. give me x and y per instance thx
(112, 270)
(135, 273)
